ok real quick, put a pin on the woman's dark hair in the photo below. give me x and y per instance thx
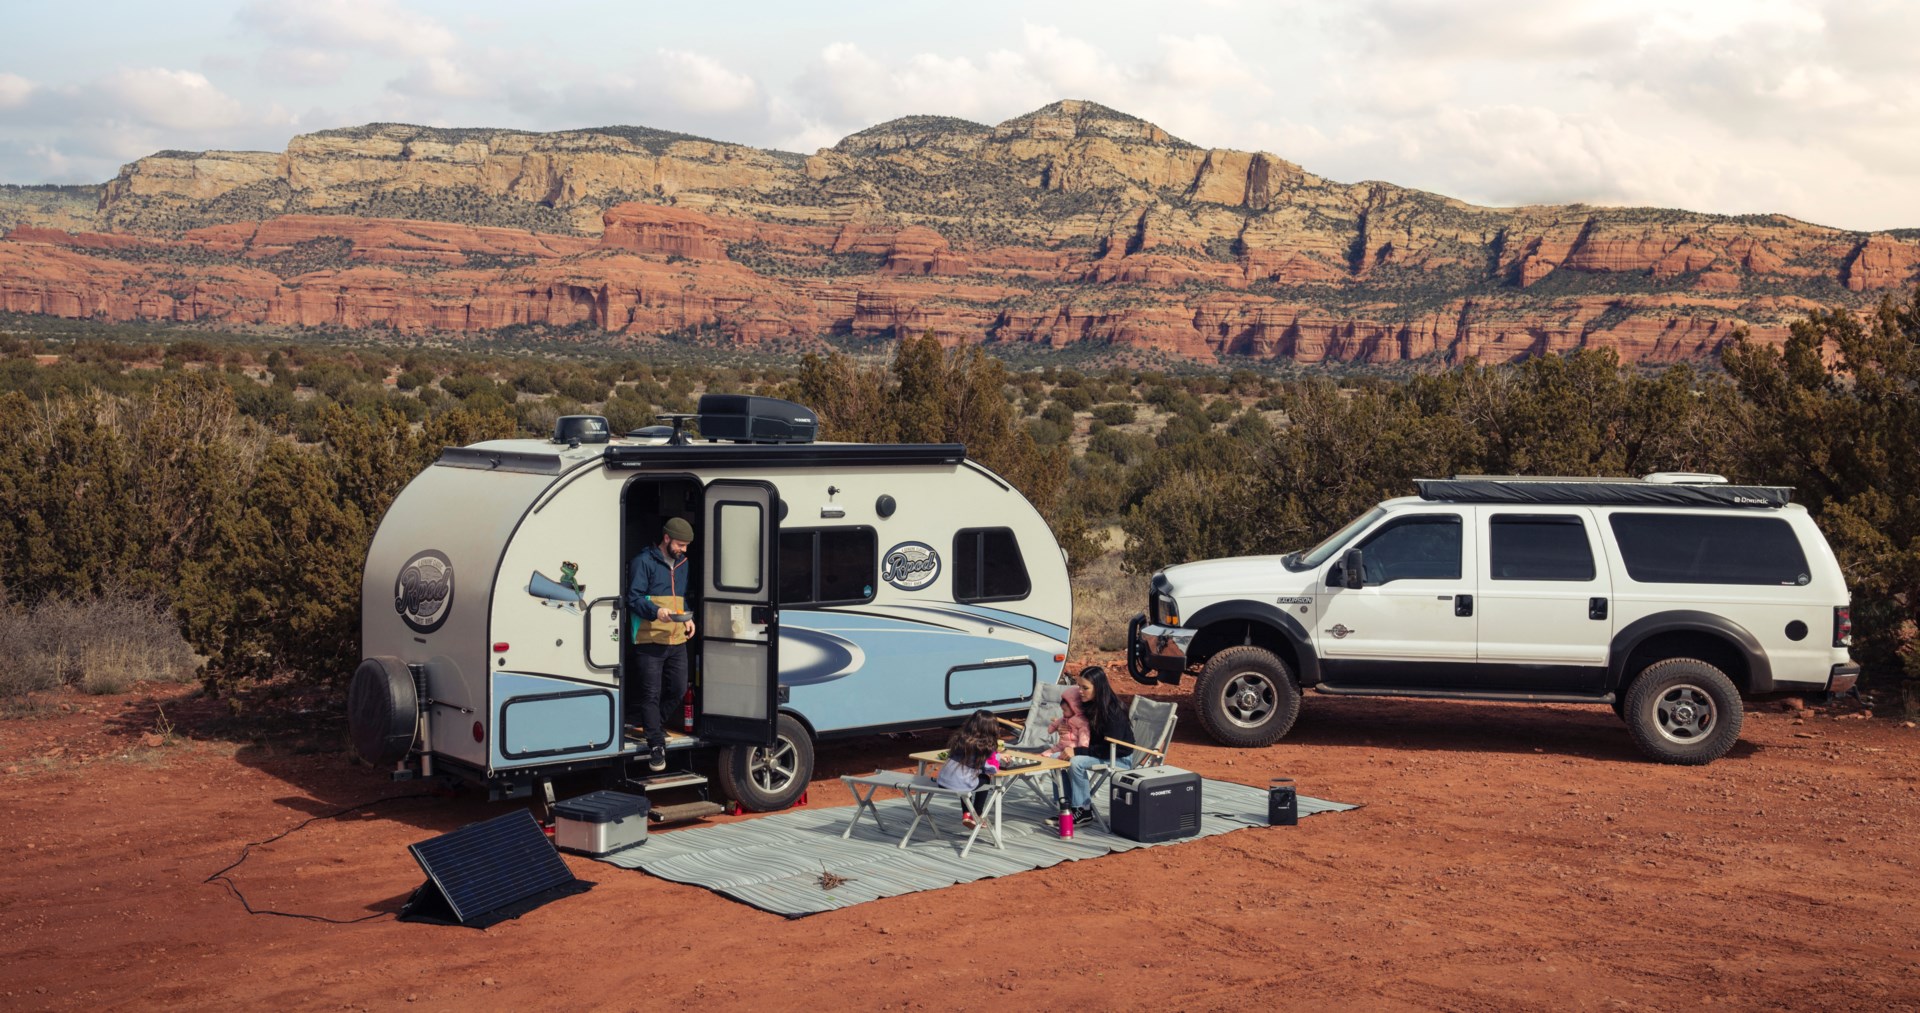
(976, 740)
(1105, 713)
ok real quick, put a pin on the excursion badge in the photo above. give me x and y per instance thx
(910, 566)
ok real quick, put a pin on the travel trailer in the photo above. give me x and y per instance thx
(838, 589)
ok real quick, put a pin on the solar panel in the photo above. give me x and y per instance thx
(483, 867)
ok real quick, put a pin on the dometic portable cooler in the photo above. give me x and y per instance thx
(600, 823)
(1155, 804)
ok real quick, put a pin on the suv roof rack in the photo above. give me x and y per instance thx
(1659, 489)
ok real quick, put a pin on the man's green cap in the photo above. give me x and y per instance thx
(679, 530)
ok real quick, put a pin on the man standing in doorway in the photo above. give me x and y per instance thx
(662, 624)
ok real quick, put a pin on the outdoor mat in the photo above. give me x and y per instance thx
(795, 863)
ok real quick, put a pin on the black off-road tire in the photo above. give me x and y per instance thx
(1683, 710)
(769, 778)
(1246, 697)
(383, 710)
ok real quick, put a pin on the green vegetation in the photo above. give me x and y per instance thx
(236, 482)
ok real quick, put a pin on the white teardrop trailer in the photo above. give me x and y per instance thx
(840, 589)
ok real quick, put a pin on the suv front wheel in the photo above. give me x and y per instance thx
(1247, 697)
(1683, 710)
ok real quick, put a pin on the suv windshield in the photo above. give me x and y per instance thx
(1335, 542)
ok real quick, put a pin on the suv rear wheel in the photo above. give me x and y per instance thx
(1247, 697)
(1683, 710)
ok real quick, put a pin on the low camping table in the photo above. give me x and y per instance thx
(1003, 779)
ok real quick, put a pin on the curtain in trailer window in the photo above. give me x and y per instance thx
(828, 566)
(987, 566)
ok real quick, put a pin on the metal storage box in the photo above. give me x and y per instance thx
(600, 823)
(1155, 804)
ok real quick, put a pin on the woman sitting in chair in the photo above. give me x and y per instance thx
(1106, 718)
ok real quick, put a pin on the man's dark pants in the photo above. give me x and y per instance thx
(663, 684)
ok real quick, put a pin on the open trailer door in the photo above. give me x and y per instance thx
(739, 614)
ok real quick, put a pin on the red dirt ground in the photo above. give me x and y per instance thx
(1508, 857)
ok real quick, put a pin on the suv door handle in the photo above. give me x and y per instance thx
(1596, 608)
(1463, 604)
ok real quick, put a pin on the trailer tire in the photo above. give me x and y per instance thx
(767, 778)
(383, 710)
(1247, 697)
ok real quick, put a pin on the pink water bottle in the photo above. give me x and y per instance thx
(1066, 821)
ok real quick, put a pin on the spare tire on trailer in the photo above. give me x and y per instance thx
(383, 710)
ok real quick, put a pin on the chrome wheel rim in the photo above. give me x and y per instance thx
(1250, 699)
(773, 768)
(1685, 714)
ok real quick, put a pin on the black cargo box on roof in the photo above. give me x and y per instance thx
(750, 419)
(1599, 492)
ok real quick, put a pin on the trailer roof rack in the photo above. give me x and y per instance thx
(784, 455)
(1659, 489)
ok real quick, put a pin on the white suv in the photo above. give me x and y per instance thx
(1669, 597)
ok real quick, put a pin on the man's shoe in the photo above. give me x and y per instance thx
(657, 760)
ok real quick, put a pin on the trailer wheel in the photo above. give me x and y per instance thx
(766, 778)
(1247, 697)
(383, 710)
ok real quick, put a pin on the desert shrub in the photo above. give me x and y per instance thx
(1114, 414)
(100, 644)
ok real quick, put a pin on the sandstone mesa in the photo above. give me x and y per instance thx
(1072, 224)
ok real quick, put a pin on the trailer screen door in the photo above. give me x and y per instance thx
(740, 624)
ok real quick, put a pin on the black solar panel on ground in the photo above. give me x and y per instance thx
(487, 871)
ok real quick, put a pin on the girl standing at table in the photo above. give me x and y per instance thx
(972, 755)
(1106, 718)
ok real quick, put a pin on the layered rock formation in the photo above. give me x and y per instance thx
(1070, 224)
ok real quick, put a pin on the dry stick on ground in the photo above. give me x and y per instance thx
(829, 880)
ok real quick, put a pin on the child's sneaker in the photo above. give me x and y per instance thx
(966, 820)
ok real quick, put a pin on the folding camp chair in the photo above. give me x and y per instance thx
(1152, 722)
(1034, 737)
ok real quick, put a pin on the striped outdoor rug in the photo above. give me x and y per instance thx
(775, 862)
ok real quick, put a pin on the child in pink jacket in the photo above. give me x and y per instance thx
(1071, 726)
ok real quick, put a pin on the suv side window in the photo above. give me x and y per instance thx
(1539, 547)
(1420, 547)
(1698, 549)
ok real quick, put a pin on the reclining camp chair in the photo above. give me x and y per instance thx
(1152, 722)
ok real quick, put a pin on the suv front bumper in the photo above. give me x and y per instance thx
(1156, 653)
(1843, 677)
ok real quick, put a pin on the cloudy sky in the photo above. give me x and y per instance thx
(1807, 107)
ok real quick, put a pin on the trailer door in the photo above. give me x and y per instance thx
(739, 615)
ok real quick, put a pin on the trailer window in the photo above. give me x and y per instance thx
(987, 566)
(738, 542)
(828, 566)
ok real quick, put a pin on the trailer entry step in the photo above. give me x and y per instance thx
(685, 811)
(671, 779)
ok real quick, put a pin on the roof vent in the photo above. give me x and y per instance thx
(576, 429)
(1685, 478)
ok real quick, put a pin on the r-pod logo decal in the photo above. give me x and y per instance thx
(910, 566)
(423, 591)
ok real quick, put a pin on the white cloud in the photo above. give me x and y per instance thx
(702, 84)
(378, 26)
(177, 99)
(14, 90)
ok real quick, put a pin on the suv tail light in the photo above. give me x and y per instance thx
(1842, 626)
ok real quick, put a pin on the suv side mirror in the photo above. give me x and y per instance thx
(1353, 569)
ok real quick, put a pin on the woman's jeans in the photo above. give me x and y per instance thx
(1079, 775)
